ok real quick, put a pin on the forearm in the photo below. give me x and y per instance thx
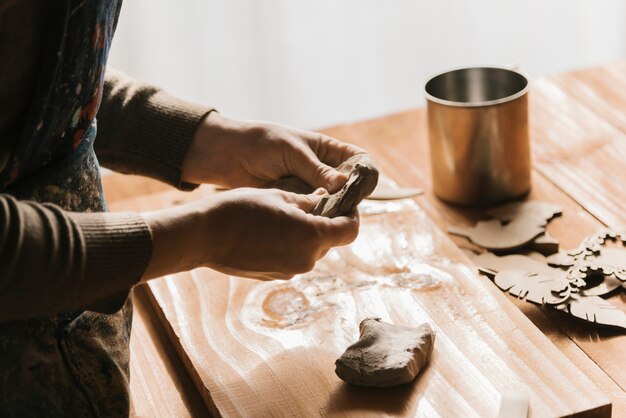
(53, 261)
(143, 130)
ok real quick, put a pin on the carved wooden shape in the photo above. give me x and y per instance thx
(362, 180)
(535, 287)
(490, 263)
(516, 225)
(596, 310)
(574, 286)
(545, 244)
(541, 211)
(385, 355)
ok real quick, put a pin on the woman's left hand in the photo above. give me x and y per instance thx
(233, 153)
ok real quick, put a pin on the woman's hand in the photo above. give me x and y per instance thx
(256, 233)
(233, 153)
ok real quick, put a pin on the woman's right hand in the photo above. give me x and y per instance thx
(256, 233)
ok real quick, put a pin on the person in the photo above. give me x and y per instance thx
(66, 265)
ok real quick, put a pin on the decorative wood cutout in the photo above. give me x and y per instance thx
(544, 244)
(541, 211)
(490, 264)
(385, 355)
(591, 261)
(516, 225)
(535, 287)
(610, 277)
(596, 310)
(590, 247)
(574, 285)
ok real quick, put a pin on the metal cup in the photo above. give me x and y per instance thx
(478, 134)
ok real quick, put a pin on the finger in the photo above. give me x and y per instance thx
(309, 168)
(305, 202)
(330, 150)
(339, 231)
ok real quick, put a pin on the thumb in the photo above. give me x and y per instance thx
(318, 174)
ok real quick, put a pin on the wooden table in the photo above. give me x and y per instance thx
(578, 125)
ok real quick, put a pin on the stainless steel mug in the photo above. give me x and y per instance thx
(478, 135)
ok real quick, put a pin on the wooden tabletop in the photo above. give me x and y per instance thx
(205, 343)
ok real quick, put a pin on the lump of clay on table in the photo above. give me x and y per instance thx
(385, 355)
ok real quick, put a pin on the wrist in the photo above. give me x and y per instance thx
(177, 240)
(203, 159)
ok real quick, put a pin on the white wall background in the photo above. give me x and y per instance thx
(316, 63)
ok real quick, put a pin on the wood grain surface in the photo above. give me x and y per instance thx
(250, 349)
(159, 384)
(403, 155)
(580, 152)
(262, 348)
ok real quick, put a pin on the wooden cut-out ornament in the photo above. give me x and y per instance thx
(535, 287)
(385, 355)
(490, 264)
(544, 244)
(516, 225)
(596, 310)
(572, 282)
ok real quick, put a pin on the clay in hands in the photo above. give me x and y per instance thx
(362, 180)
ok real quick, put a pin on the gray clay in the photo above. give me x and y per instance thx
(385, 355)
(362, 180)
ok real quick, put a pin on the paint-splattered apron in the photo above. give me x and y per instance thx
(75, 364)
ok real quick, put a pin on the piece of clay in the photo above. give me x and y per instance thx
(362, 180)
(517, 224)
(385, 355)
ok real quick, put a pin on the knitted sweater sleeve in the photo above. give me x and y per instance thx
(53, 261)
(143, 130)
